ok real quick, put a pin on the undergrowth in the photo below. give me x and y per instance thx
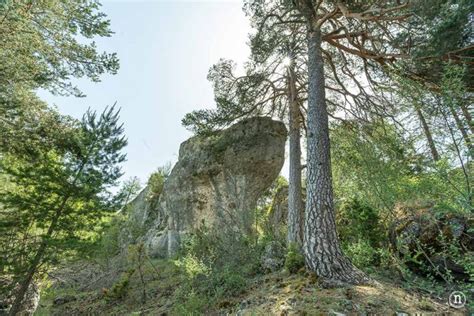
(217, 266)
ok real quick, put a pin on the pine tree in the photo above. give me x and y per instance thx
(440, 40)
(43, 37)
(58, 190)
(273, 85)
(353, 29)
(45, 44)
(283, 44)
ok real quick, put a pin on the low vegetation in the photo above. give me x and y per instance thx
(379, 91)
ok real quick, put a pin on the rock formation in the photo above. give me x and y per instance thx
(216, 181)
(278, 215)
(418, 230)
(7, 297)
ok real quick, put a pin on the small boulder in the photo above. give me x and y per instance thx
(273, 257)
(61, 300)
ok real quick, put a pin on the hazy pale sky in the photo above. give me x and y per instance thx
(165, 50)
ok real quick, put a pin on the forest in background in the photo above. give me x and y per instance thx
(377, 99)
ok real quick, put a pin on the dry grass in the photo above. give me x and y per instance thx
(280, 294)
(273, 294)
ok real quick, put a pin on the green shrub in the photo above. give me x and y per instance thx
(156, 182)
(204, 287)
(109, 241)
(228, 282)
(356, 220)
(294, 260)
(216, 266)
(361, 253)
(120, 288)
(193, 266)
(190, 302)
(221, 249)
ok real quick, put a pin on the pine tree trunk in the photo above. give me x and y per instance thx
(295, 197)
(429, 136)
(321, 247)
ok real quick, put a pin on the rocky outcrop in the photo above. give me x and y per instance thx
(273, 257)
(277, 218)
(418, 230)
(141, 214)
(278, 215)
(7, 297)
(216, 182)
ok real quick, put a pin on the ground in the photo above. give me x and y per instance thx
(278, 293)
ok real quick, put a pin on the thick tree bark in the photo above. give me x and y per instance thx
(429, 136)
(295, 196)
(321, 248)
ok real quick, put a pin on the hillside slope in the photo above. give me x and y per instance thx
(277, 293)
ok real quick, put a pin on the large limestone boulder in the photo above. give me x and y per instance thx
(216, 182)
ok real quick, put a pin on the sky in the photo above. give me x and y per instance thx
(165, 49)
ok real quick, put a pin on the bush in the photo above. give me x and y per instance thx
(156, 182)
(109, 242)
(229, 282)
(361, 253)
(356, 220)
(294, 260)
(193, 266)
(190, 302)
(216, 266)
(120, 288)
(223, 249)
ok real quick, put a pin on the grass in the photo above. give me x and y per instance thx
(279, 293)
(160, 286)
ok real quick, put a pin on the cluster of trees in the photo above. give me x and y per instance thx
(321, 64)
(56, 171)
(387, 83)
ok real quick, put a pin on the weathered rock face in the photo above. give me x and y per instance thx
(141, 215)
(278, 215)
(216, 181)
(418, 230)
(279, 209)
(30, 302)
(273, 257)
